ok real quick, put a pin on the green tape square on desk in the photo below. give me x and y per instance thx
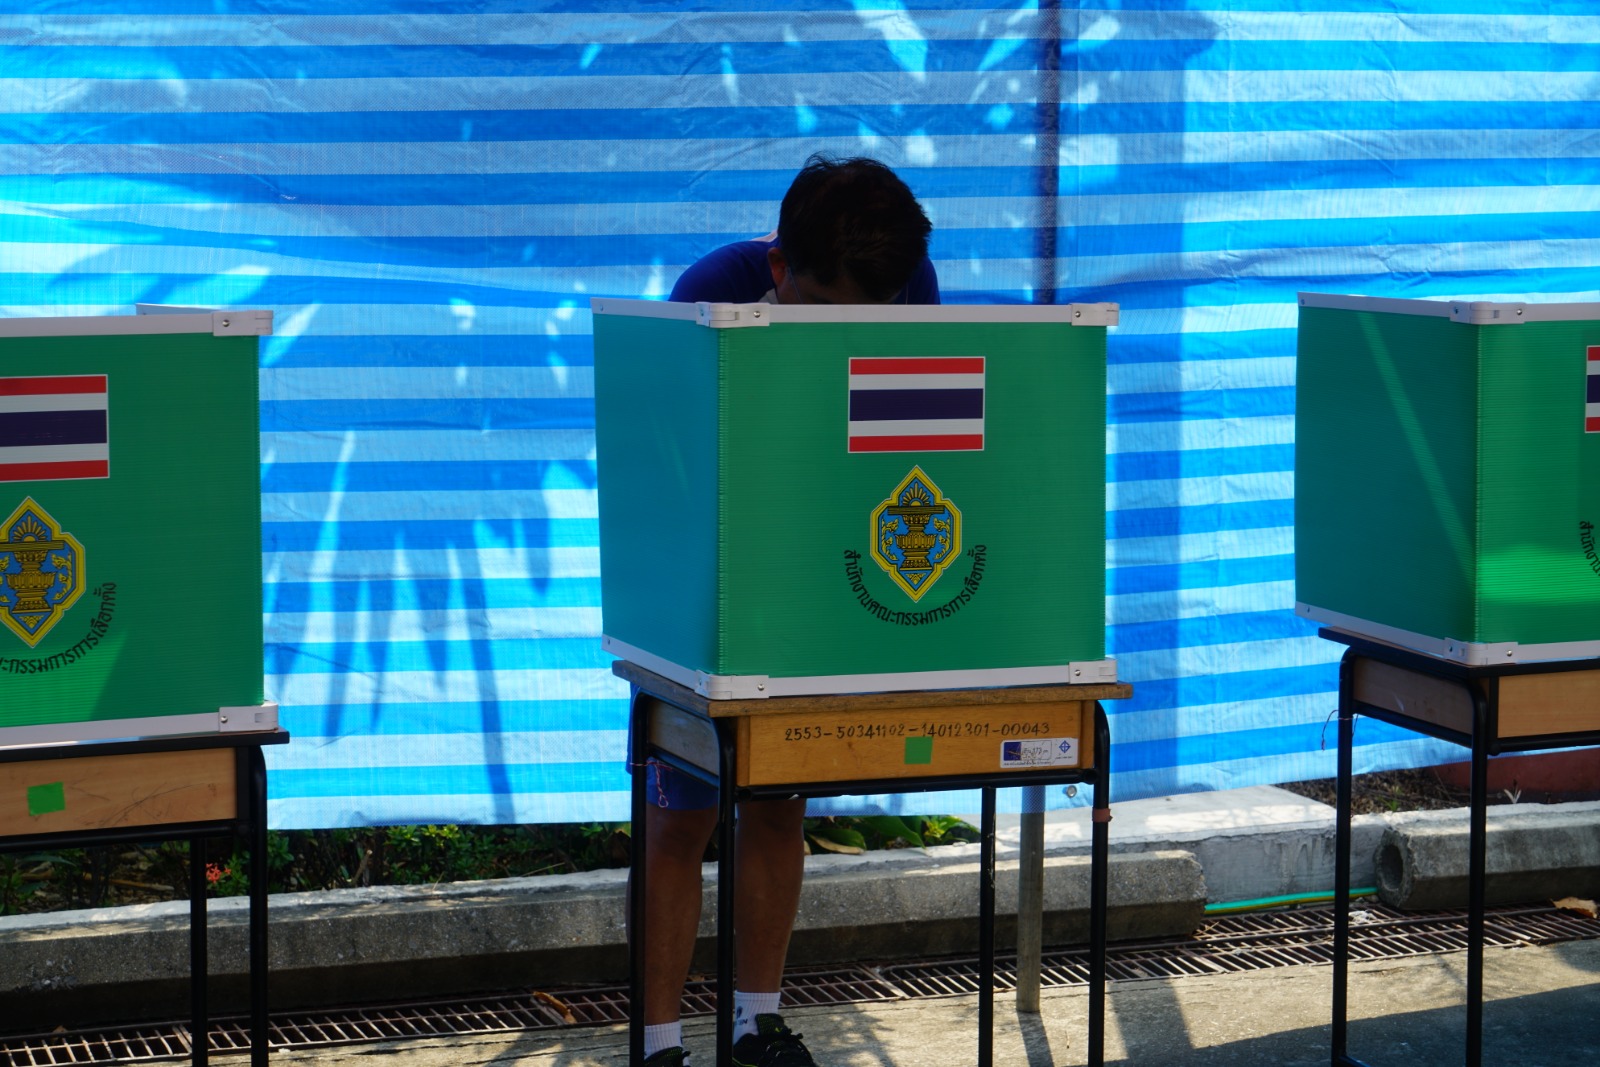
(919, 750)
(44, 799)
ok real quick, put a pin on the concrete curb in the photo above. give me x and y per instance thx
(1263, 841)
(1170, 855)
(873, 911)
(399, 943)
(1528, 858)
(342, 946)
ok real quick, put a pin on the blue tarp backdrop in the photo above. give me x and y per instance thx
(427, 193)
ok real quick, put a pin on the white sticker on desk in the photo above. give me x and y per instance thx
(1039, 752)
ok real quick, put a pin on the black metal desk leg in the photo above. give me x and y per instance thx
(1477, 843)
(727, 872)
(1341, 865)
(986, 931)
(199, 1016)
(260, 1029)
(640, 748)
(1099, 863)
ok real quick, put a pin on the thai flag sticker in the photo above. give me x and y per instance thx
(1591, 407)
(53, 428)
(916, 404)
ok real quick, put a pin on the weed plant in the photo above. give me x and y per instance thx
(301, 860)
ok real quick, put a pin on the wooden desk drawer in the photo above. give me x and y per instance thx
(1417, 696)
(1533, 705)
(913, 742)
(106, 792)
(1528, 706)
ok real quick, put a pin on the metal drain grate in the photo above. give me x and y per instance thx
(1230, 944)
(853, 985)
(1257, 942)
(120, 1046)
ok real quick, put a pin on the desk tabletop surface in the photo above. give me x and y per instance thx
(132, 745)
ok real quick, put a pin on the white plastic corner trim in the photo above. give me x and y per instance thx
(729, 316)
(1095, 314)
(248, 719)
(241, 323)
(1487, 313)
(1094, 672)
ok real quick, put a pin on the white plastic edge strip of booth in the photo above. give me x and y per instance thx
(262, 718)
(758, 686)
(248, 323)
(1469, 653)
(725, 316)
(1473, 312)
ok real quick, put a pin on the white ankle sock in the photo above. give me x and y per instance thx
(662, 1035)
(746, 1006)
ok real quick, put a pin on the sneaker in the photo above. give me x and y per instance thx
(676, 1056)
(772, 1045)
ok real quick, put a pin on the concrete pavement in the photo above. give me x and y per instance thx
(1542, 1009)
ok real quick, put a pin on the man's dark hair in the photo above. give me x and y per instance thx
(853, 217)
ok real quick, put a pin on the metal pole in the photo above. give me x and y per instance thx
(1099, 862)
(640, 750)
(986, 932)
(1477, 843)
(1030, 900)
(260, 1030)
(199, 1016)
(1341, 861)
(727, 872)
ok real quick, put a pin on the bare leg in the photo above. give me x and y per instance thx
(674, 849)
(771, 866)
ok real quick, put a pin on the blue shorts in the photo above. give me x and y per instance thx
(674, 790)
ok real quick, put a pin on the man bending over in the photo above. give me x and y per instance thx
(849, 232)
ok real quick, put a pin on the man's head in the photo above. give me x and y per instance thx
(849, 232)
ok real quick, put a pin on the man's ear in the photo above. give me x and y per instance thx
(779, 267)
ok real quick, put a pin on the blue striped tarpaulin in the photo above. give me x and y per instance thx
(427, 193)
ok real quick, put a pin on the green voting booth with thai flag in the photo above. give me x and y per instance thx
(800, 500)
(130, 526)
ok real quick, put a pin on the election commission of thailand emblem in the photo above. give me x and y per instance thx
(41, 572)
(916, 533)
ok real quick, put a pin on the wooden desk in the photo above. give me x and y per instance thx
(874, 743)
(1494, 709)
(174, 788)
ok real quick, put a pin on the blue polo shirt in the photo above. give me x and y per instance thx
(739, 274)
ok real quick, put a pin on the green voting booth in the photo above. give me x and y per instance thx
(1447, 475)
(859, 549)
(1447, 486)
(802, 499)
(130, 527)
(131, 704)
